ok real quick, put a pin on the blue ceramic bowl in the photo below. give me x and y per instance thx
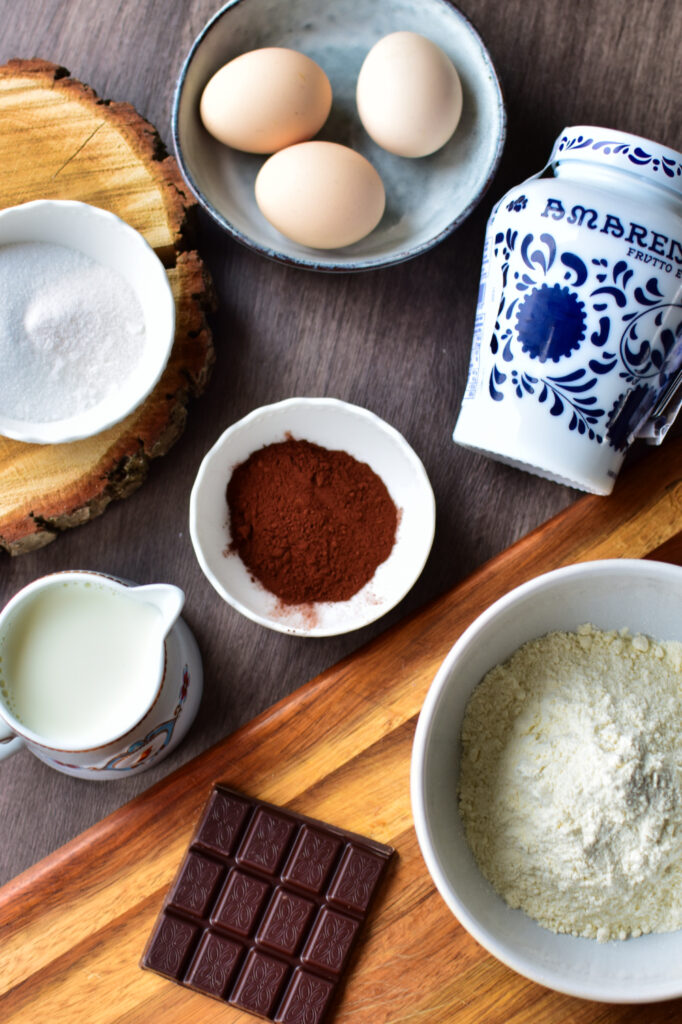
(426, 199)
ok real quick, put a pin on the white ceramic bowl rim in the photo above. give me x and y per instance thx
(327, 263)
(591, 988)
(358, 611)
(82, 225)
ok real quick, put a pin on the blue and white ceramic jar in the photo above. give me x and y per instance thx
(577, 344)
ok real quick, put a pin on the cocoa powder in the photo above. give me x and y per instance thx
(309, 523)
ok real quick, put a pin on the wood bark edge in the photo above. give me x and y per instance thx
(152, 430)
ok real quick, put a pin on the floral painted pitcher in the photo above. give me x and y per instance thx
(578, 338)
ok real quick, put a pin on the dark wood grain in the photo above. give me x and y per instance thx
(396, 341)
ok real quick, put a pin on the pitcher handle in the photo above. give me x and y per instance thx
(664, 412)
(9, 743)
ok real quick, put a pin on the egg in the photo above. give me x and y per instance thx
(320, 194)
(409, 95)
(266, 99)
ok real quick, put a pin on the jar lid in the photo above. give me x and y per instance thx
(622, 151)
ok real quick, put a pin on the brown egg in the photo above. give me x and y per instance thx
(409, 95)
(320, 194)
(266, 99)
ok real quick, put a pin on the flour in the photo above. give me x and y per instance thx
(570, 788)
(71, 331)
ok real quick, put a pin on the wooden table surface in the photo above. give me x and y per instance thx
(396, 341)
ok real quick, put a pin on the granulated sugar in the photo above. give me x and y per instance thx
(570, 789)
(71, 331)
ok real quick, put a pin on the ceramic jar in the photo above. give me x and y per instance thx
(578, 337)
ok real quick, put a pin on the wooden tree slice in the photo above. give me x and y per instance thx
(58, 140)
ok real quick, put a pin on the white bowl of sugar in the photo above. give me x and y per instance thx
(87, 320)
(645, 597)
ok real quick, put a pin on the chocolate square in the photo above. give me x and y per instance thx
(259, 983)
(170, 946)
(330, 941)
(355, 879)
(222, 822)
(193, 891)
(214, 964)
(306, 999)
(285, 922)
(266, 909)
(265, 842)
(239, 903)
(311, 859)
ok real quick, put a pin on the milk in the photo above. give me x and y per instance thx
(80, 662)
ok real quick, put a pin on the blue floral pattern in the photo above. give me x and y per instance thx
(634, 154)
(543, 313)
(550, 322)
(518, 204)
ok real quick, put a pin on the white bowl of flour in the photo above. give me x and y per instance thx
(589, 782)
(87, 320)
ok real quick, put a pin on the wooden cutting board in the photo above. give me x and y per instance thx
(58, 140)
(73, 927)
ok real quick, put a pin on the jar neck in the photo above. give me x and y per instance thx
(628, 184)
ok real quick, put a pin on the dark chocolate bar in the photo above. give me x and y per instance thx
(266, 908)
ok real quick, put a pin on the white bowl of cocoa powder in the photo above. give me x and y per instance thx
(312, 516)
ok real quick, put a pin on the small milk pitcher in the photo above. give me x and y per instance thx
(577, 343)
(98, 678)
